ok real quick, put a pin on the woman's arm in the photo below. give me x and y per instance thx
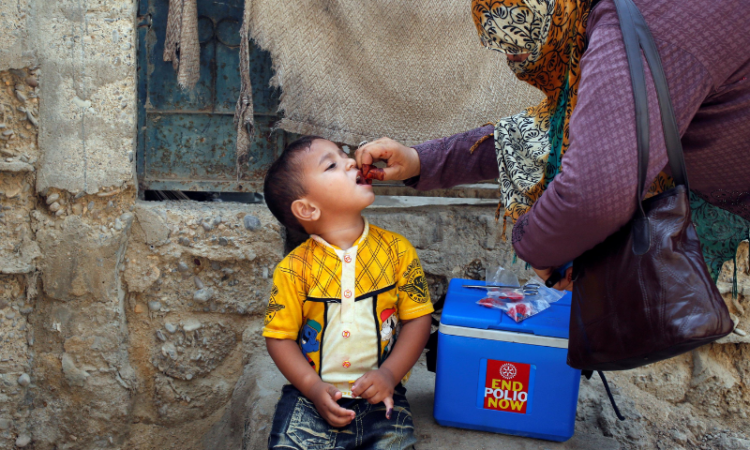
(449, 161)
(440, 163)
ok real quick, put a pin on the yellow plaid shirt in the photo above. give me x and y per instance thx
(344, 306)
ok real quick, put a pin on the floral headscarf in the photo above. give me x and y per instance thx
(530, 145)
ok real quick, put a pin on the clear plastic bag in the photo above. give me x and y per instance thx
(498, 276)
(518, 302)
(516, 310)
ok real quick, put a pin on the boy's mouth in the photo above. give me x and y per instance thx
(369, 172)
(362, 180)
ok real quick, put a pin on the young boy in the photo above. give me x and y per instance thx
(338, 300)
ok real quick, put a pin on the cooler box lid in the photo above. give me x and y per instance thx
(461, 310)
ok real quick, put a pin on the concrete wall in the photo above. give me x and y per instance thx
(129, 324)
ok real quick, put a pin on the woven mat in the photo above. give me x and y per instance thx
(359, 70)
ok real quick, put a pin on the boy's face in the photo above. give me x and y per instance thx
(332, 181)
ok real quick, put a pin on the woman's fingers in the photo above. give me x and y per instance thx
(566, 284)
(374, 151)
(402, 161)
(543, 273)
(393, 173)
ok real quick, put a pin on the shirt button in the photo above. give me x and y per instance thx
(348, 293)
(346, 333)
(346, 364)
(347, 259)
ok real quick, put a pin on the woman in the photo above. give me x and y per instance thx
(578, 146)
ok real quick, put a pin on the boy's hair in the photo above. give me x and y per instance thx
(283, 184)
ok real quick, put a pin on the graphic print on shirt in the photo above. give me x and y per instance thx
(416, 284)
(388, 330)
(273, 307)
(308, 340)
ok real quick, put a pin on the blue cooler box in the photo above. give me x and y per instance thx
(494, 374)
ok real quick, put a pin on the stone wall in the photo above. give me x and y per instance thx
(131, 324)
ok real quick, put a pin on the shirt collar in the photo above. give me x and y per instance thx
(361, 239)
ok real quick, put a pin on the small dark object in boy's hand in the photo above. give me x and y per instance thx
(371, 172)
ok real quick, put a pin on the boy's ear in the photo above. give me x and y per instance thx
(305, 211)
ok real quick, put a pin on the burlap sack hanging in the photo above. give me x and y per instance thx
(359, 70)
(182, 38)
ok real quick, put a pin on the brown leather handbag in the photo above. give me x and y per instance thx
(645, 294)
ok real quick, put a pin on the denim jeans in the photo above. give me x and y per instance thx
(297, 425)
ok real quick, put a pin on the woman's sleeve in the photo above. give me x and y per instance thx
(595, 194)
(449, 161)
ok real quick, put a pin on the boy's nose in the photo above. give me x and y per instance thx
(351, 163)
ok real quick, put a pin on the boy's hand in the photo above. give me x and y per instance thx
(324, 396)
(376, 386)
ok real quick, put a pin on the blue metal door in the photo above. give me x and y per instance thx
(186, 138)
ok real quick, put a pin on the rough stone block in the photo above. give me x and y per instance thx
(15, 45)
(193, 353)
(80, 261)
(153, 224)
(86, 134)
(222, 270)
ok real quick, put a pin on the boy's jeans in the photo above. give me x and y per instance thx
(297, 425)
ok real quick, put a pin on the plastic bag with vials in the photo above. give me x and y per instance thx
(518, 302)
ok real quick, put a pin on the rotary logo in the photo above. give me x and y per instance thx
(508, 371)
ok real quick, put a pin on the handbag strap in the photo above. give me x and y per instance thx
(588, 374)
(637, 36)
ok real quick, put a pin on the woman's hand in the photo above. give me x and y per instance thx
(566, 284)
(402, 161)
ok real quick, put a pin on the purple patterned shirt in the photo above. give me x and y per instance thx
(705, 51)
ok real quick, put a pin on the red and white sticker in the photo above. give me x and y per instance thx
(506, 386)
